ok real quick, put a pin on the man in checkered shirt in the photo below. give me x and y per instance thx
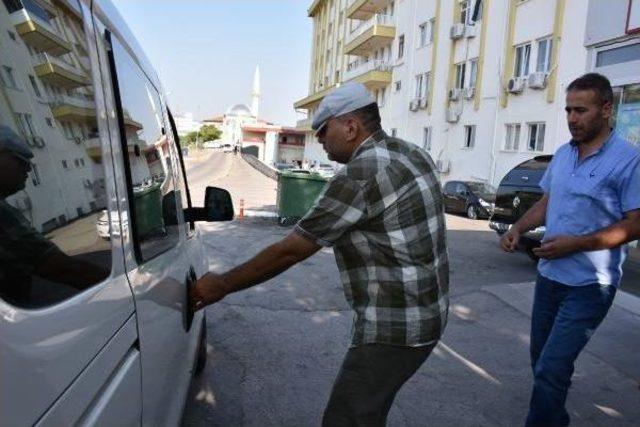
(383, 214)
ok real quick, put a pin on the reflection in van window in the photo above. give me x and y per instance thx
(52, 243)
(148, 158)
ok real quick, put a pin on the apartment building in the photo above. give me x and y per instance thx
(46, 95)
(478, 83)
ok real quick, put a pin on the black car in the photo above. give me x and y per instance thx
(475, 199)
(517, 192)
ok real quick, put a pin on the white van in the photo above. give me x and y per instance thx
(98, 243)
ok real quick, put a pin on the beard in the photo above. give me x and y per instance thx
(586, 134)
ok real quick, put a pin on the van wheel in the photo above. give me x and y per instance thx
(471, 212)
(201, 359)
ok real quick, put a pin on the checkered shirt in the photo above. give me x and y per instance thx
(384, 215)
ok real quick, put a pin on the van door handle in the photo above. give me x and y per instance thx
(525, 178)
(188, 309)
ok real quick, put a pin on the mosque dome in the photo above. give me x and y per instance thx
(239, 110)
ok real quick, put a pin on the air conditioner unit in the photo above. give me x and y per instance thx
(424, 102)
(537, 80)
(36, 141)
(443, 166)
(457, 31)
(452, 115)
(470, 30)
(454, 94)
(515, 85)
(469, 92)
(414, 105)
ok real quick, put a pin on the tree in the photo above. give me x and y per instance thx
(206, 133)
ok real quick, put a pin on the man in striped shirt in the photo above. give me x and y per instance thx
(383, 214)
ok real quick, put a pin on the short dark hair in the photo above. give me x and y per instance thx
(369, 115)
(595, 82)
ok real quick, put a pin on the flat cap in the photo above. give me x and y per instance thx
(342, 100)
(13, 143)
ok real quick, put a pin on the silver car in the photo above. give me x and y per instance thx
(95, 324)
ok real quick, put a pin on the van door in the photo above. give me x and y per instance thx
(68, 336)
(156, 255)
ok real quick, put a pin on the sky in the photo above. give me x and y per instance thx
(206, 52)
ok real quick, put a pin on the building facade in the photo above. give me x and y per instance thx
(478, 83)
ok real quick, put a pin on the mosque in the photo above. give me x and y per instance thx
(241, 126)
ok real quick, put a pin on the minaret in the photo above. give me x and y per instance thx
(255, 93)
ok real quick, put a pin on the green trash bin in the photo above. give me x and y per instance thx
(148, 210)
(296, 194)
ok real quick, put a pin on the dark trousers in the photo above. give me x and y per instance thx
(368, 381)
(563, 319)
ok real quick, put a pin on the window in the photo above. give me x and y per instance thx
(460, 72)
(34, 85)
(473, 73)
(423, 29)
(419, 86)
(35, 175)
(394, 132)
(422, 85)
(401, 46)
(9, 79)
(512, 137)
(432, 29)
(536, 137)
(398, 85)
(521, 68)
(618, 55)
(544, 55)
(76, 163)
(39, 224)
(426, 138)
(465, 12)
(382, 97)
(25, 123)
(154, 202)
(469, 136)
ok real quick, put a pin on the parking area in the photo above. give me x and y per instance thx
(275, 349)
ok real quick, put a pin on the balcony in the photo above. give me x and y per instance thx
(374, 74)
(67, 108)
(32, 24)
(365, 9)
(304, 124)
(93, 148)
(313, 99)
(371, 35)
(58, 73)
(313, 9)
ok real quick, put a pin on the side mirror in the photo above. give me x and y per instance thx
(217, 207)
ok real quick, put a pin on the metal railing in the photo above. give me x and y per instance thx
(359, 68)
(378, 19)
(43, 58)
(58, 100)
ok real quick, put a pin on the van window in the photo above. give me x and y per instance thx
(148, 159)
(55, 228)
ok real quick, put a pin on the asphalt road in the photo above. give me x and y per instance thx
(274, 350)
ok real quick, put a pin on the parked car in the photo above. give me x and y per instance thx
(517, 192)
(95, 325)
(211, 144)
(475, 199)
(227, 148)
